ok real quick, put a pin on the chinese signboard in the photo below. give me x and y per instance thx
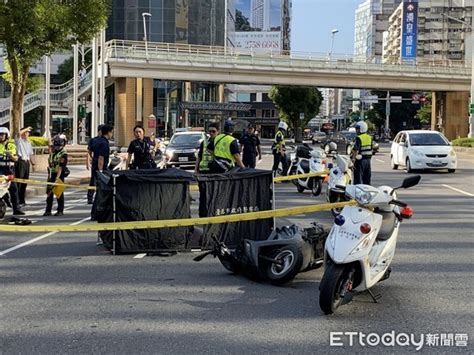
(409, 31)
(258, 41)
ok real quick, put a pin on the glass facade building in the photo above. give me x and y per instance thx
(176, 21)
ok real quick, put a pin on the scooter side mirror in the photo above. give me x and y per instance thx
(411, 181)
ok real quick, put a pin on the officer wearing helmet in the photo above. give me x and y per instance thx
(361, 154)
(57, 170)
(8, 158)
(226, 151)
(278, 149)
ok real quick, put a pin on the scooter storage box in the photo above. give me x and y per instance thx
(303, 151)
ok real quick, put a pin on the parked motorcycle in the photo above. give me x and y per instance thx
(308, 160)
(361, 244)
(339, 177)
(117, 161)
(287, 251)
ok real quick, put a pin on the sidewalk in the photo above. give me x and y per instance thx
(464, 150)
(79, 176)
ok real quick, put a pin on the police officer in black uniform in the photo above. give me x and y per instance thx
(250, 147)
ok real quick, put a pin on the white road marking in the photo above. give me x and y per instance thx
(380, 160)
(31, 241)
(140, 256)
(461, 191)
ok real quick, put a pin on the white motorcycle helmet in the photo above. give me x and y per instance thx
(283, 125)
(5, 130)
(362, 126)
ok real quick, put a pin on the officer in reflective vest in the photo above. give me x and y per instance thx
(226, 151)
(57, 170)
(361, 154)
(204, 155)
(8, 157)
(278, 149)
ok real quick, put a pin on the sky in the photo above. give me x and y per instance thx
(313, 20)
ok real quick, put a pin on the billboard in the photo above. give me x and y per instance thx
(258, 25)
(409, 31)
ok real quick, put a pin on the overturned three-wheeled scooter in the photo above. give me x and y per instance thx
(278, 259)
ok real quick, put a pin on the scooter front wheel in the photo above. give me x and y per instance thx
(228, 262)
(317, 187)
(330, 288)
(3, 209)
(290, 261)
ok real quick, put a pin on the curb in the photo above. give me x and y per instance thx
(464, 149)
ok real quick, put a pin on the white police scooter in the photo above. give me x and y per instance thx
(5, 181)
(361, 243)
(307, 160)
(339, 177)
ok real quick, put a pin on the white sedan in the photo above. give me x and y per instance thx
(420, 150)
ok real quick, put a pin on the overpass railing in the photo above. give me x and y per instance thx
(121, 50)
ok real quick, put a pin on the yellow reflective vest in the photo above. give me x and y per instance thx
(9, 147)
(366, 145)
(222, 147)
(205, 158)
(281, 143)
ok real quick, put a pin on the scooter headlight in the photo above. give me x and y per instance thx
(364, 243)
(363, 197)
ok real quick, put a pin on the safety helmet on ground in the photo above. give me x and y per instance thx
(362, 126)
(283, 125)
(5, 130)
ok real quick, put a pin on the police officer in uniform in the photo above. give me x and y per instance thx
(204, 155)
(226, 151)
(8, 157)
(278, 149)
(250, 145)
(90, 165)
(57, 163)
(361, 154)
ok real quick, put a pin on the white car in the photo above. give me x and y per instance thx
(420, 150)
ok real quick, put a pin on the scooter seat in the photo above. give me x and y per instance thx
(388, 225)
(305, 165)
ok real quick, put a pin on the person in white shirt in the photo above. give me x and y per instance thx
(22, 166)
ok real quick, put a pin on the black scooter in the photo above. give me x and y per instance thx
(287, 251)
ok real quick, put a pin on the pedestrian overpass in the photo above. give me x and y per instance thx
(168, 61)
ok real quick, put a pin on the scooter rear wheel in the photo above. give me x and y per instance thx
(292, 260)
(330, 288)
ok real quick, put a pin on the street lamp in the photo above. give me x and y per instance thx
(333, 34)
(145, 38)
(471, 106)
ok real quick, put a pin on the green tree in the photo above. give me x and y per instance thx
(293, 100)
(66, 68)
(424, 113)
(241, 22)
(31, 29)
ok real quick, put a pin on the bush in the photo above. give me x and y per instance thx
(39, 141)
(463, 142)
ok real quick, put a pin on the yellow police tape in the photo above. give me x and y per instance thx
(192, 187)
(239, 217)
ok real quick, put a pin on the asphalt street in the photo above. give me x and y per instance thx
(62, 293)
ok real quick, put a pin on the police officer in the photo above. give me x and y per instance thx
(250, 146)
(57, 163)
(226, 151)
(141, 150)
(90, 164)
(8, 157)
(361, 154)
(204, 155)
(278, 149)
